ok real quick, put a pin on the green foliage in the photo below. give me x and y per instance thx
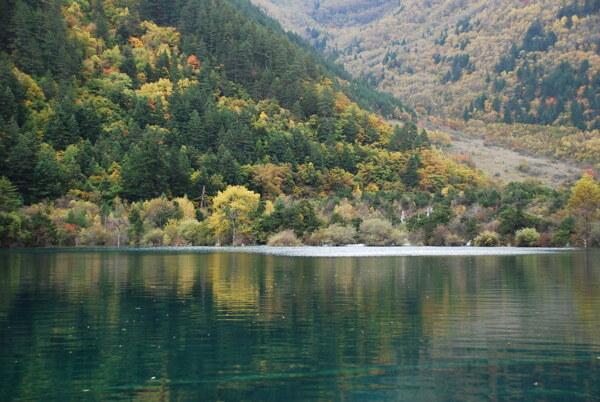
(143, 171)
(153, 238)
(561, 238)
(526, 237)
(441, 215)
(584, 205)
(380, 232)
(9, 198)
(136, 226)
(451, 45)
(513, 219)
(410, 176)
(297, 216)
(158, 211)
(487, 239)
(536, 39)
(335, 235)
(47, 175)
(13, 231)
(206, 96)
(43, 230)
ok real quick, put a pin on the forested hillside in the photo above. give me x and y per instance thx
(199, 122)
(509, 61)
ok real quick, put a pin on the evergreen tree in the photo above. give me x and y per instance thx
(21, 164)
(179, 170)
(26, 38)
(47, 176)
(136, 226)
(405, 138)
(144, 171)
(99, 16)
(194, 133)
(410, 176)
(128, 65)
(577, 118)
(9, 196)
(227, 166)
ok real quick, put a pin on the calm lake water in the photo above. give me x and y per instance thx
(280, 324)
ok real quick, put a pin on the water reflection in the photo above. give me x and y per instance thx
(162, 325)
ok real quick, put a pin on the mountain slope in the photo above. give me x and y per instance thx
(534, 61)
(163, 122)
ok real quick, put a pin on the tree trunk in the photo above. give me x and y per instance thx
(233, 232)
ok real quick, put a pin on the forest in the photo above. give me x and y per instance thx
(525, 63)
(203, 122)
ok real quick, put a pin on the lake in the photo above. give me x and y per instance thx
(260, 323)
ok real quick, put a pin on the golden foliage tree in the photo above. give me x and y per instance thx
(584, 204)
(270, 178)
(232, 212)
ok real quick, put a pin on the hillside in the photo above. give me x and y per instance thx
(202, 122)
(534, 61)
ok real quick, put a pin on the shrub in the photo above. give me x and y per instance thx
(193, 232)
(595, 236)
(438, 236)
(454, 240)
(442, 236)
(526, 237)
(380, 232)
(158, 211)
(188, 232)
(417, 237)
(153, 238)
(287, 238)
(487, 239)
(334, 235)
(561, 238)
(12, 231)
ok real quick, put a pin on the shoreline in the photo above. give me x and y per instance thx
(315, 251)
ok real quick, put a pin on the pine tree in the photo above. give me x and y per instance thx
(99, 16)
(136, 225)
(47, 176)
(410, 176)
(179, 170)
(9, 196)
(227, 166)
(21, 164)
(26, 39)
(128, 65)
(404, 138)
(194, 133)
(577, 118)
(144, 171)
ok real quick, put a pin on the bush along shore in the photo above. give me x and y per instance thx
(523, 214)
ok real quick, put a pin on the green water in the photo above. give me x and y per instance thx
(216, 325)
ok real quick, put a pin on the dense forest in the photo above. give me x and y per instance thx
(507, 62)
(202, 122)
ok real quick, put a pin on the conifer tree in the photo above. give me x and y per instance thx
(410, 176)
(47, 175)
(9, 196)
(144, 171)
(21, 164)
(136, 226)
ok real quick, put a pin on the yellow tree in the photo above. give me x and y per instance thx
(270, 178)
(232, 211)
(584, 204)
